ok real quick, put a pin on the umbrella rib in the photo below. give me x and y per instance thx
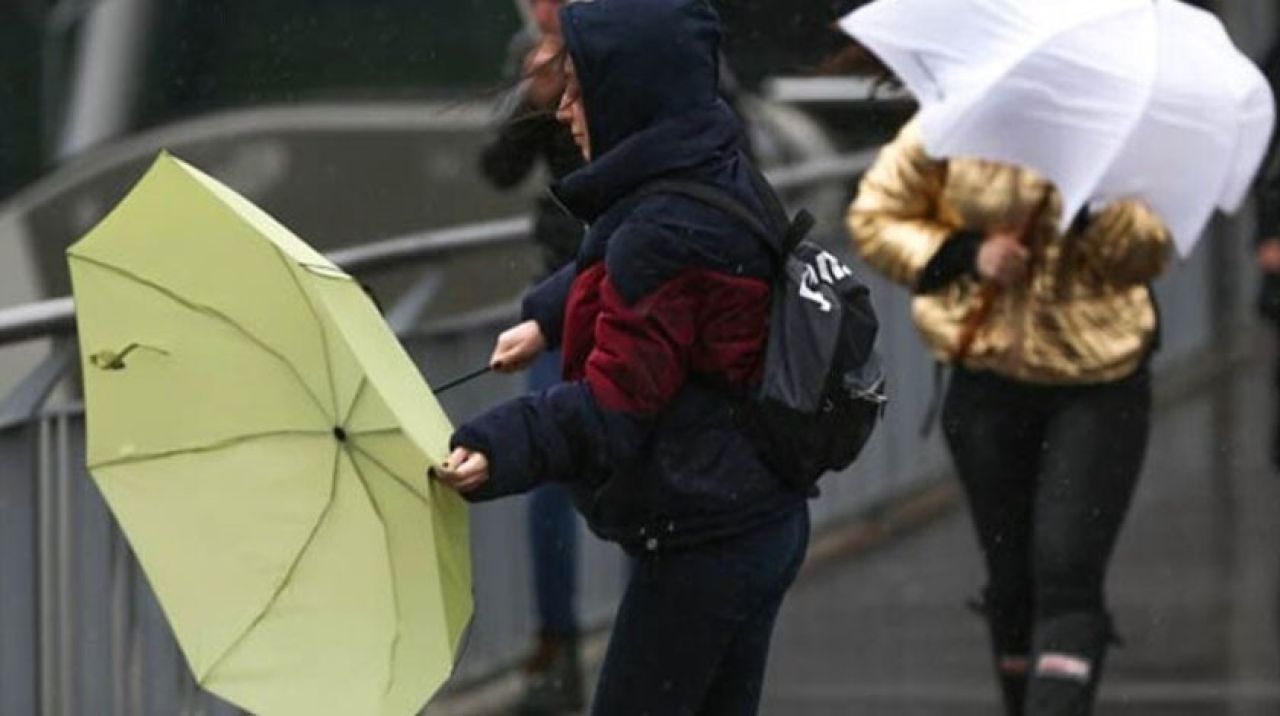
(395, 593)
(210, 447)
(966, 117)
(324, 333)
(288, 574)
(364, 383)
(376, 431)
(214, 313)
(451, 567)
(364, 453)
(399, 480)
(351, 409)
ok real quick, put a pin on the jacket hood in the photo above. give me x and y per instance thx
(641, 62)
(694, 145)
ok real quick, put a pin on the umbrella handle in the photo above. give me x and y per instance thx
(463, 379)
(977, 318)
(974, 321)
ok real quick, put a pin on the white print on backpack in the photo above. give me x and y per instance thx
(828, 269)
(809, 290)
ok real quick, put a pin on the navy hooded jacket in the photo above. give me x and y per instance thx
(662, 319)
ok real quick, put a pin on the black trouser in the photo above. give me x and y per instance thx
(1049, 473)
(692, 632)
(1269, 311)
(1275, 417)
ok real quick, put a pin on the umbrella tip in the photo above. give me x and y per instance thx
(340, 434)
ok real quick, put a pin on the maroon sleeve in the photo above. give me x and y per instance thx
(641, 353)
(667, 308)
(700, 322)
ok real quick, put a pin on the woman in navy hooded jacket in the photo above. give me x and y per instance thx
(662, 322)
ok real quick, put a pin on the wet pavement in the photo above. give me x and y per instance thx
(1195, 590)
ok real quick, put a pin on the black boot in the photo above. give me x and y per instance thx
(1068, 661)
(1012, 672)
(1275, 447)
(1274, 283)
(553, 677)
(1010, 629)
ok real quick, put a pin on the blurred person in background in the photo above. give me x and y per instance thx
(1048, 410)
(1268, 249)
(662, 320)
(1269, 290)
(528, 135)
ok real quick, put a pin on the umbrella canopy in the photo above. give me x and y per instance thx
(263, 441)
(1108, 99)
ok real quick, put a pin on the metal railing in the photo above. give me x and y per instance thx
(56, 316)
(83, 634)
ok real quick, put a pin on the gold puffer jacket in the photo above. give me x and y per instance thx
(1085, 315)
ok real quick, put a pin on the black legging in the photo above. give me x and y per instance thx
(1049, 473)
(1275, 418)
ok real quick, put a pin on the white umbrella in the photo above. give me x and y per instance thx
(1108, 99)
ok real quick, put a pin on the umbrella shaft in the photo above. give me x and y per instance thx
(463, 379)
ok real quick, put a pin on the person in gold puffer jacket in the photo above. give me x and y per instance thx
(1048, 409)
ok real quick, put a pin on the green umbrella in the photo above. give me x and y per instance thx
(263, 441)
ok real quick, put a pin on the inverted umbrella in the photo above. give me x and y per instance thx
(263, 441)
(1108, 99)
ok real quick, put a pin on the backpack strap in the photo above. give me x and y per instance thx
(711, 196)
(724, 201)
(797, 228)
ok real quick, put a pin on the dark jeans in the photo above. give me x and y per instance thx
(1049, 473)
(692, 632)
(553, 534)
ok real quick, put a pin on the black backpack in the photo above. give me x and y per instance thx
(823, 389)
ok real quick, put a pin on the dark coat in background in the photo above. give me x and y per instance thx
(524, 137)
(662, 317)
(1268, 196)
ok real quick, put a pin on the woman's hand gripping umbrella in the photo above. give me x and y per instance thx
(517, 347)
